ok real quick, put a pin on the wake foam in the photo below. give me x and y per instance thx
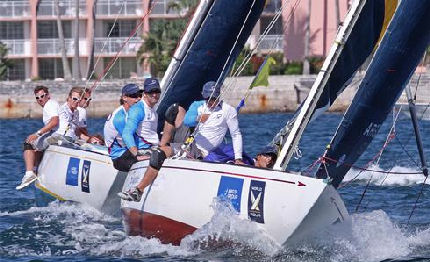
(371, 237)
(396, 177)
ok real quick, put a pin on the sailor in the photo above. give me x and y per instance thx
(33, 145)
(214, 118)
(69, 116)
(121, 157)
(82, 122)
(140, 135)
(173, 131)
(266, 158)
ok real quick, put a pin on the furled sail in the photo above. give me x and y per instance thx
(400, 51)
(217, 42)
(366, 32)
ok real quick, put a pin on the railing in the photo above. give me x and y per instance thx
(270, 42)
(18, 47)
(163, 7)
(14, 9)
(67, 8)
(52, 46)
(113, 7)
(113, 45)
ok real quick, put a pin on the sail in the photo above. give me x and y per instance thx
(364, 37)
(400, 51)
(213, 46)
(373, 19)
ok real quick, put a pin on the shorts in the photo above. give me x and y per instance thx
(125, 161)
(39, 144)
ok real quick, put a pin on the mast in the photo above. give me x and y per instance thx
(309, 104)
(413, 113)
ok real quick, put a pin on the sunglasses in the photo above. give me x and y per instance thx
(76, 98)
(136, 95)
(88, 99)
(40, 97)
(153, 92)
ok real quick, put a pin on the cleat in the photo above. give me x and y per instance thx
(131, 195)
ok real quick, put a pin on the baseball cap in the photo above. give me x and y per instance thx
(269, 150)
(211, 89)
(130, 89)
(151, 85)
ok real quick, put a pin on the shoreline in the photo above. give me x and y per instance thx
(282, 95)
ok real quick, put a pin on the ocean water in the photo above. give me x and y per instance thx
(379, 229)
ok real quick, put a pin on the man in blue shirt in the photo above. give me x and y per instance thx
(140, 133)
(122, 158)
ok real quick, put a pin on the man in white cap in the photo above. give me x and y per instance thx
(214, 118)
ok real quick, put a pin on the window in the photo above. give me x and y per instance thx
(48, 29)
(11, 30)
(123, 68)
(17, 72)
(51, 68)
(121, 28)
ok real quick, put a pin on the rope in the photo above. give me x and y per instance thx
(115, 58)
(416, 201)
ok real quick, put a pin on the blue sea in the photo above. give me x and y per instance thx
(379, 229)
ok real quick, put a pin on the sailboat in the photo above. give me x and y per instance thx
(285, 205)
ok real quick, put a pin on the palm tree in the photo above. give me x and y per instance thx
(307, 40)
(160, 43)
(76, 68)
(66, 68)
(90, 64)
(5, 63)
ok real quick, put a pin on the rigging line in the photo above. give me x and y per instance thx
(418, 197)
(390, 136)
(104, 44)
(115, 58)
(242, 66)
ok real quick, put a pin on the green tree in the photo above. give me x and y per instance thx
(161, 41)
(5, 63)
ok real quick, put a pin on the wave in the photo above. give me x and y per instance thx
(396, 176)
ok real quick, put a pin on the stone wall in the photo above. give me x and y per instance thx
(17, 98)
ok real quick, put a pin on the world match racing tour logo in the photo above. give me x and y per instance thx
(256, 201)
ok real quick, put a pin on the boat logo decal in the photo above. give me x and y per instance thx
(85, 176)
(372, 130)
(230, 189)
(256, 201)
(72, 171)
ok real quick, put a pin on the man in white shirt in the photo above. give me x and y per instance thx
(33, 145)
(82, 122)
(213, 118)
(69, 115)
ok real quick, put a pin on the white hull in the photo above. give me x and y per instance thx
(179, 201)
(81, 176)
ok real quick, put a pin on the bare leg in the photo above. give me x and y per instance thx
(39, 155)
(168, 132)
(150, 174)
(29, 159)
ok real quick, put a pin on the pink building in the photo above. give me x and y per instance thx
(29, 29)
(323, 26)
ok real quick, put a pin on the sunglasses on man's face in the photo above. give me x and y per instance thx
(75, 98)
(40, 97)
(88, 99)
(153, 92)
(136, 95)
